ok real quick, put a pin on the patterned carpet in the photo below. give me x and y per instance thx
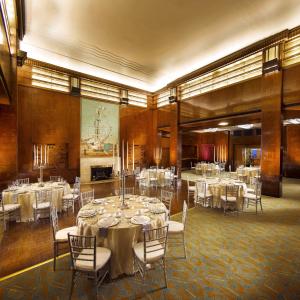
(229, 257)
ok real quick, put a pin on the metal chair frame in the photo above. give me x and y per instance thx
(40, 197)
(151, 239)
(86, 197)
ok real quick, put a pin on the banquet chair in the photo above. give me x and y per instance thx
(230, 199)
(176, 230)
(70, 199)
(152, 177)
(166, 198)
(9, 211)
(75, 185)
(251, 187)
(86, 197)
(23, 181)
(88, 260)
(152, 250)
(191, 189)
(42, 204)
(243, 178)
(60, 236)
(55, 178)
(203, 196)
(254, 198)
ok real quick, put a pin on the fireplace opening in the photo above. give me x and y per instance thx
(101, 173)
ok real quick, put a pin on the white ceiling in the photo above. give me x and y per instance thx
(148, 43)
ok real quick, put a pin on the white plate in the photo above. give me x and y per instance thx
(88, 213)
(108, 222)
(107, 215)
(98, 201)
(140, 220)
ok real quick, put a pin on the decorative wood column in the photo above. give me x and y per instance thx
(271, 127)
(175, 137)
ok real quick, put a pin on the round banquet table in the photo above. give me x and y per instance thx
(217, 188)
(121, 237)
(26, 196)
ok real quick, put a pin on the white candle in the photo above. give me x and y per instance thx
(41, 160)
(122, 155)
(113, 150)
(45, 162)
(48, 154)
(214, 153)
(133, 155)
(34, 155)
(127, 155)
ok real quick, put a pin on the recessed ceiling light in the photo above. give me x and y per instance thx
(223, 123)
(245, 126)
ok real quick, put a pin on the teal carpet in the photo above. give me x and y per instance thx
(229, 257)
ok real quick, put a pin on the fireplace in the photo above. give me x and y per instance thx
(101, 173)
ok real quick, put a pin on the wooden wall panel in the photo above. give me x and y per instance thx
(291, 85)
(271, 126)
(291, 158)
(238, 98)
(139, 124)
(48, 117)
(8, 143)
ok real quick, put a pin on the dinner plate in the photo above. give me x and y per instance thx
(88, 213)
(108, 222)
(98, 201)
(140, 220)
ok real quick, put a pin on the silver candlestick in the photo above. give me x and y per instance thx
(123, 205)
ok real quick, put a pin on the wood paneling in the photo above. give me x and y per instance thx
(291, 85)
(238, 98)
(271, 125)
(291, 158)
(48, 117)
(140, 125)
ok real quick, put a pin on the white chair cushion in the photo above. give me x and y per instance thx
(250, 196)
(74, 191)
(68, 197)
(10, 207)
(249, 190)
(102, 257)
(192, 188)
(150, 257)
(201, 195)
(229, 198)
(175, 227)
(41, 205)
(62, 235)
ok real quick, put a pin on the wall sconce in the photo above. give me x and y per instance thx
(173, 95)
(75, 86)
(124, 97)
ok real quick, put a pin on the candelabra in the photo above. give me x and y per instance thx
(123, 205)
(40, 159)
(157, 155)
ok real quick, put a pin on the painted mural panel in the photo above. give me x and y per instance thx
(99, 128)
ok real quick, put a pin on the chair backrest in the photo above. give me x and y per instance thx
(188, 182)
(77, 179)
(76, 188)
(201, 188)
(184, 213)
(166, 198)
(54, 221)
(82, 249)
(155, 242)
(23, 181)
(258, 186)
(232, 190)
(55, 178)
(127, 191)
(173, 169)
(42, 196)
(86, 197)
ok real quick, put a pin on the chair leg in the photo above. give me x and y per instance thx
(55, 254)
(183, 239)
(165, 273)
(261, 206)
(72, 284)
(256, 206)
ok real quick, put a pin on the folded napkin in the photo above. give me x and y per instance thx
(103, 232)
